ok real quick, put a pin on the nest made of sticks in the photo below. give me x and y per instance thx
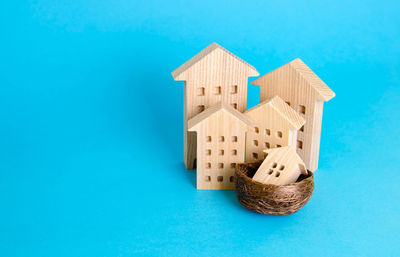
(268, 198)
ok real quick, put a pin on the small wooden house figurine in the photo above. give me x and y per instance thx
(221, 133)
(275, 125)
(281, 166)
(214, 75)
(296, 84)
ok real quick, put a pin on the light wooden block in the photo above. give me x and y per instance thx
(297, 85)
(280, 167)
(221, 134)
(276, 125)
(214, 75)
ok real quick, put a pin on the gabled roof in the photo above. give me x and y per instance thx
(199, 118)
(209, 49)
(313, 80)
(288, 151)
(282, 108)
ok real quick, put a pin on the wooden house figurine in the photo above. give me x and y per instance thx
(214, 75)
(275, 125)
(300, 88)
(281, 166)
(221, 134)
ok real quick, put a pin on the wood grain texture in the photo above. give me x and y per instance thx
(276, 125)
(214, 75)
(221, 133)
(297, 85)
(281, 166)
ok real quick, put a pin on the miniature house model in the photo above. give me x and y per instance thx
(276, 125)
(221, 132)
(214, 75)
(281, 166)
(296, 84)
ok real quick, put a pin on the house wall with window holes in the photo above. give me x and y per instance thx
(214, 75)
(281, 166)
(221, 133)
(276, 125)
(298, 85)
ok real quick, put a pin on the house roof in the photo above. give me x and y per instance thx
(199, 118)
(209, 49)
(287, 151)
(313, 80)
(282, 108)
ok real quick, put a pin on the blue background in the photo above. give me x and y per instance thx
(91, 128)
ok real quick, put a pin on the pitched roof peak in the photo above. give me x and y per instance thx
(323, 90)
(294, 119)
(216, 108)
(308, 75)
(206, 51)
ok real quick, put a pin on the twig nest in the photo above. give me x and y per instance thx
(268, 198)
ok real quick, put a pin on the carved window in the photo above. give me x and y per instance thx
(217, 90)
(201, 91)
(200, 108)
(302, 109)
(234, 89)
(299, 144)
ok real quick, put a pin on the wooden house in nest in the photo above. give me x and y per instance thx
(281, 166)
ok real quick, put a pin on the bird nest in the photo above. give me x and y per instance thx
(268, 198)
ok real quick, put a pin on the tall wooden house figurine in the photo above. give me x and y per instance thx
(214, 75)
(221, 134)
(298, 85)
(281, 166)
(276, 124)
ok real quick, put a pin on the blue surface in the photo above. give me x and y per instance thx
(91, 128)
